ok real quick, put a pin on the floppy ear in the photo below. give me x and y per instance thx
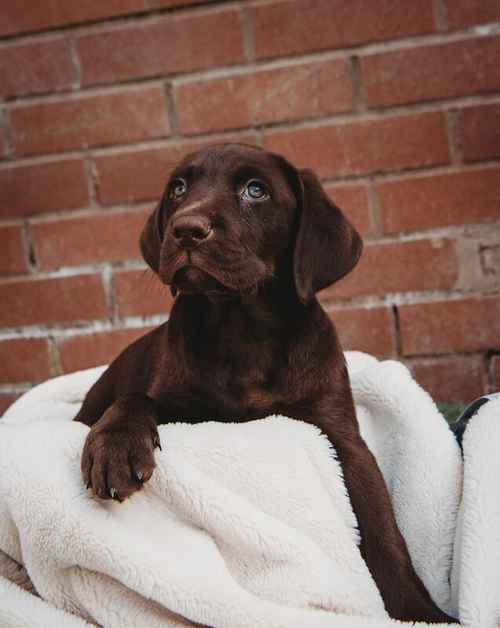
(327, 246)
(151, 237)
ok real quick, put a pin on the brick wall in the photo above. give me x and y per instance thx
(395, 103)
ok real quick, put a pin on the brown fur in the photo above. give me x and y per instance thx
(246, 338)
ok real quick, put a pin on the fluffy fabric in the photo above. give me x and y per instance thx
(244, 525)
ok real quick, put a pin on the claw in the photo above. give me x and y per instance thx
(89, 484)
(139, 475)
(156, 442)
(112, 492)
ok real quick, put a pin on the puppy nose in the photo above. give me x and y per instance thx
(191, 231)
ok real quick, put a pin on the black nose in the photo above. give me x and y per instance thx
(190, 231)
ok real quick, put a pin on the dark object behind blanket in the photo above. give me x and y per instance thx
(245, 241)
(459, 426)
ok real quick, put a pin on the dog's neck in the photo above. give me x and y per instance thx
(198, 324)
(244, 356)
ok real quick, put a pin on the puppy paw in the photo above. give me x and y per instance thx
(118, 455)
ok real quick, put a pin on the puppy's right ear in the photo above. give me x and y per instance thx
(151, 237)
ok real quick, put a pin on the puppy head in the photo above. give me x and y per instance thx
(235, 217)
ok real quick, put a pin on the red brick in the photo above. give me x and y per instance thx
(290, 93)
(42, 187)
(400, 267)
(96, 237)
(495, 370)
(464, 13)
(24, 360)
(134, 175)
(479, 129)
(18, 17)
(353, 201)
(35, 68)
(456, 378)
(295, 26)
(157, 4)
(470, 324)
(113, 118)
(361, 329)
(87, 350)
(447, 70)
(6, 400)
(440, 200)
(167, 45)
(138, 175)
(57, 300)
(369, 146)
(140, 293)
(12, 257)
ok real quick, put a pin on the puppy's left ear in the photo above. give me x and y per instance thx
(327, 246)
(151, 237)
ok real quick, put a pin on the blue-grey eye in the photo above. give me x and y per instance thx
(178, 188)
(255, 190)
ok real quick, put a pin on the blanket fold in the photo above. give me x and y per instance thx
(244, 525)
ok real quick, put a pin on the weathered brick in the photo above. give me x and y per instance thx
(280, 94)
(353, 201)
(453, 378)
(137, 175)
(167, 45)
(295, 26)
(97, 120)
(362, 329)
(464, 13)
(406, 141)
(400, 267)
(57, 300)
(88, 350)
(12, 256)
(35, 68)
(439, 200)
(157, 4)
(479, 132)
(425, 73)
(469, 324)
(88, 239)
(42, 187)
(6, 400)
(140, 293)
(24, 360)
(19, 17)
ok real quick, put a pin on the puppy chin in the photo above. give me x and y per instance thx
(193, 280)
(192, 273)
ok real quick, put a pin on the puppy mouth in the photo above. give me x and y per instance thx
(190, 279)
(195, 272)
(188, 275)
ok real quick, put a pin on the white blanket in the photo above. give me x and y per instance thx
(244, 525)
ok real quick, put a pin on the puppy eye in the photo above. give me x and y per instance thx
(255, 190)
(178, 188)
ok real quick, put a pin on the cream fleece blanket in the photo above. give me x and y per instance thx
(244, 525)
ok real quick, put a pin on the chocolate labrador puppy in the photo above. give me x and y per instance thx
(245, 241)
